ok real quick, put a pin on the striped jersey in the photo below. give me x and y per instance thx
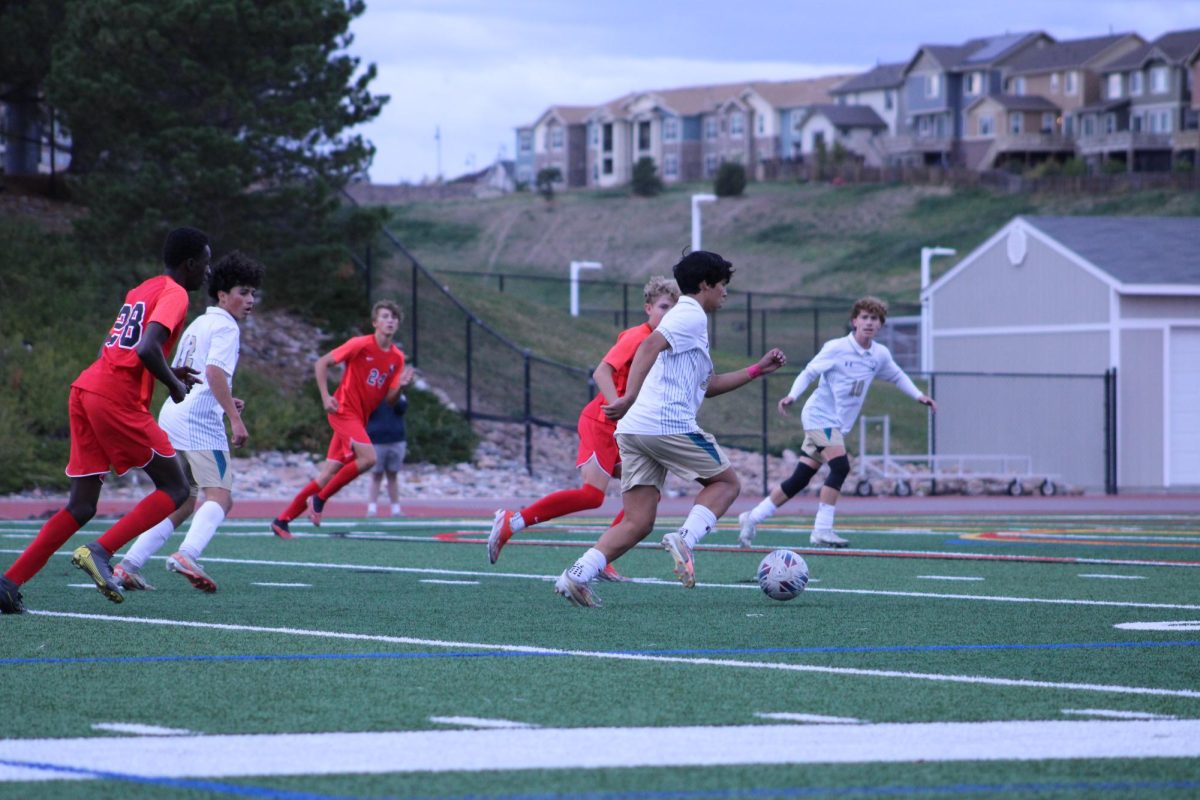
(620, 358)
(198, 423)
(674, 388)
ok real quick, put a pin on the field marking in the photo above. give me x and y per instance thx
(1169, 625)
(593, 748)
(645, 657)
(282, 585)
(1113, 714)
(140, 730)
(1113, 577)
(480, 722)
(449, 583)
(949, 578)
(787, 716)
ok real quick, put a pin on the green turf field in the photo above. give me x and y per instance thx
(940, 656)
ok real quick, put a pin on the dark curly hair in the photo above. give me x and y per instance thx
(182, 244)
(234, 269)
(701, 266)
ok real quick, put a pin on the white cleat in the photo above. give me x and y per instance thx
(576, 592)
(749, 529)
(827, 539)
(685, 567)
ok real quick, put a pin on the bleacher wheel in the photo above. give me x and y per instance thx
(1015, 488)
(903, 489)
(1048, 489)
(864, 489)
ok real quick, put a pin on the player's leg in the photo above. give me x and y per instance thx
(839, 468)
(373, 492)
(640, 505)
(364, 459)
(766, 508)
(214, 474)
(393, 486)
(129, 570)
(337, 454)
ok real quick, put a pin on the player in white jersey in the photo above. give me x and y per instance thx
(196, 427)
(669, 378)
(844, 370)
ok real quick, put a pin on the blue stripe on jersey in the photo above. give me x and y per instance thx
(705, 445)
(221, 465)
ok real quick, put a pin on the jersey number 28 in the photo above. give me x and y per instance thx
(127, 330)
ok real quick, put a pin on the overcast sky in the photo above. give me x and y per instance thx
(476, 69)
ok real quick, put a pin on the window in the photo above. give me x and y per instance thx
(761, 124)
(1135, 123)
(1114, 86)
(608, 143)
(1018, 86)
(987, 125)
(608, 166)
(671, 129)
(818, 141)
(1014, 123)
(1054, 82)
(526, 141)
(797, 119)
(710, 128)
(1110, 123)
(1069, 126)
(933, 85)
(595, 173)
(1160, 80)
(1048, 122)
(556, 138)
(922, 126)
(974, 83)
(643, 135)
(710, 165)
(670, 166)
(1089, 125)
(737, 124)
(1072, 82)
(889, 100)
(1136, 81)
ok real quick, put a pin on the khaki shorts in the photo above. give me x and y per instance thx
(817, 439)
(207, 469)
(646, 460)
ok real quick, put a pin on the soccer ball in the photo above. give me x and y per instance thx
(782, 575)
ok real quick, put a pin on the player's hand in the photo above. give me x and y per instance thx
(784, 402)
(239, 404)
(926, 400)
(188, 376)
(240, 434)
(407, 376)
(331, 405)
(616, 409)
(772, 360)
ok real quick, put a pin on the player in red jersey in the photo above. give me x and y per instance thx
(598, 460)
(375, 372)
(111, 423)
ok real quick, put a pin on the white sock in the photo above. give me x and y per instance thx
(147, 545)
(204, 525)
(763, 511)
(518, 522)
(699, 522)
(395, 509)
(372, 508)
(589, 565)
(824, 520)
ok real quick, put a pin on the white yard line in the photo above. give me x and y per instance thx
(282, 585)
(787, 716)
(948, 578)
(140, 730)
(1114, 577)
(450, 583)
(619, 656)
(595, 748)
(480, 722)
(1112, 714)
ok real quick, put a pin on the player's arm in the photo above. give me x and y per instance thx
(728, 381)
(603, 376)
(150, 350)
(321, 370)
(643, 360)
(218, 384)
(890, 371)
(812, 372)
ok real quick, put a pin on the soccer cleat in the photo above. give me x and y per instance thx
(372, 510)
(130, 579)
(827, 538)
(396, 510)
(610, 574)
(10, 597)
(685, 568)
(749, 529)
(280, 529)
(577, 592)
(186, 566)
(315, 506)
(93, 559)
(501, 532)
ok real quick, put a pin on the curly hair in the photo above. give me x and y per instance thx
(658, 286)
(182, 244)
(701, 266)
(234, 269)
(872, 305)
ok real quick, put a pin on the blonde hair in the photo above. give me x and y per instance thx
(872, 305)
(658, 286)
(390, 306)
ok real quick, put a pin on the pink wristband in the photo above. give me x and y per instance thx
(754, 370)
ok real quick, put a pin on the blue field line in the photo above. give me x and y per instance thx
(926, 648)
(212, 787)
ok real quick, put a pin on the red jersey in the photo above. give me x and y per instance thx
(620, 358)
(118, 373)
(370, 371)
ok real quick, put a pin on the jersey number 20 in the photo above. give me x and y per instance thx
(127, 330)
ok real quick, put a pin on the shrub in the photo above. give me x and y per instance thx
(1113, 166)
(546, 178)
(436, 434)
(646, 182)
(1075, 167)
(730, 180)
(1183, 164)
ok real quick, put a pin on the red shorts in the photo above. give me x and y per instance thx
(597, 439)
(106, 434)
(346, 430)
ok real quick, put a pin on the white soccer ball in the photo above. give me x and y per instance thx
(782, 575)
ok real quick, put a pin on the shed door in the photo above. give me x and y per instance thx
(1185, 407)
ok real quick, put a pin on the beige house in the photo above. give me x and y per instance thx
(858, 130)
(559, 140)
(1001, 129)
(1022, 330)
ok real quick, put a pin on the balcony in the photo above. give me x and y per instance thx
(1123, 141)
(897, 145)
(1187, 140)
(1034, 143)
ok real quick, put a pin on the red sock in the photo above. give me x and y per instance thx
(620, 516)
(53, 535)
(153, 509)
(344, 475)
(300, 502)
(560, 504)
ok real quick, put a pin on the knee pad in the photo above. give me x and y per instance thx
(839, 468)
(798, 480)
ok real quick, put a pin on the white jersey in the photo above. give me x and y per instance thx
(198, 423)
(673, 390)
(845, 372)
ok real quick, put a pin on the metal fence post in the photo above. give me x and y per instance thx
(624, 305)
(469, 371)
(749, 323)
(528, 416)
(765, 442)
(415, 314)
(816, 331)
(762, 329)
(932, 434)
(1110, 431)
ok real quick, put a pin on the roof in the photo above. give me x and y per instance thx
(1018, 102)
(974, 53)
(1175, 47)
(790, 94)
(1064, 55)
(1104, 106)
(849, 116)
(884, 76)
(692, 100)
(1133, 250)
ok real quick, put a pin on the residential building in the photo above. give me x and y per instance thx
(858, 131)
(560, 142)
(1005, 128)
(879, 89)
(523, 169)
(780, 108)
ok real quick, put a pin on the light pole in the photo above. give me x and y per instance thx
(697, 199)
(576, 266)
(927, 254)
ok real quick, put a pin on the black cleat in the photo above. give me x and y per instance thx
(280, 529)
(10, 598)
(93, 559)
(315, 506)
